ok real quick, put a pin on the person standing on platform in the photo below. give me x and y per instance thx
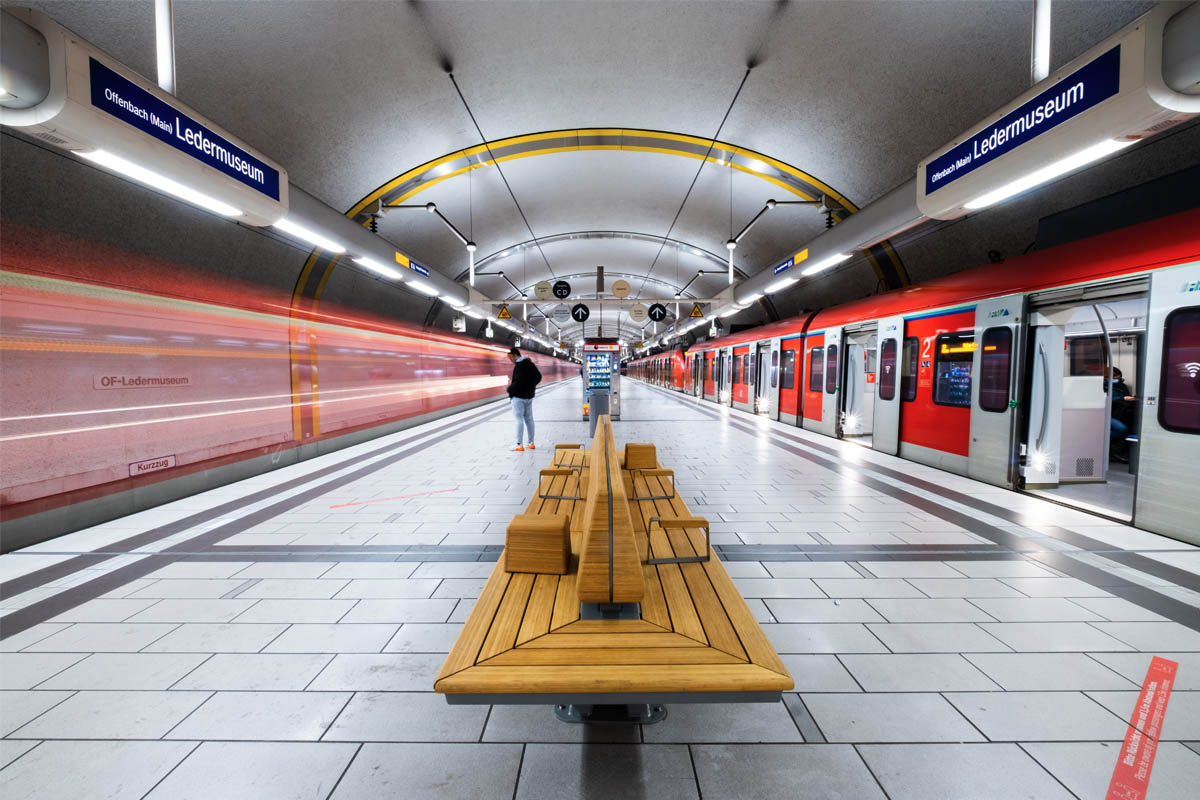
(525, 378)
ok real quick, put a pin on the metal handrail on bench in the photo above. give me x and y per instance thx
(557, 473)
(681, 523)
(647, 472)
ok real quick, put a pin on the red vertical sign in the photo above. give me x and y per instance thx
(1131, 778)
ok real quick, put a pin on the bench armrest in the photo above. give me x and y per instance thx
(656, 473)
(556, 473)
(678, 523)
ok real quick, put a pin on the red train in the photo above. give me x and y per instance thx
(107, 390)
(1004, 373)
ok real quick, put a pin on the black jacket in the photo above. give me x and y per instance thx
(1122, 409)
(524, 378)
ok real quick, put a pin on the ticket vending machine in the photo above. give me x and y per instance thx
(601, 378)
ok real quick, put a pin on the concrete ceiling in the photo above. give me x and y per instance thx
(350, 94)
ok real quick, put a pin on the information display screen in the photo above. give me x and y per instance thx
(952, 369)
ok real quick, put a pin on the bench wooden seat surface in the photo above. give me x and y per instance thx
(696, 635)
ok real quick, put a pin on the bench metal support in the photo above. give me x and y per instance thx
(631, 714)
(681, 559)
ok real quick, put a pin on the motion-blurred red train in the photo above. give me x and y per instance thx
(107, 390)
(1003, 373)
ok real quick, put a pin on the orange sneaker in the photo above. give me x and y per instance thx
(532, 446)
(518, 449)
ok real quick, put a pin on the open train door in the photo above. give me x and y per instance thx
(1165, 494)
(833, 379)
(886, 429)
(992, 454)
(1043, 443)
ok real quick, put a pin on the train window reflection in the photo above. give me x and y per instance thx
(952, 357)
(1179, 405)
(831, 368)
(887, 370)
(908, 369)
(816, 368)
(994, 374)
(789, 369)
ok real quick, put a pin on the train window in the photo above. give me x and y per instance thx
(994, 369)
(816, 368)
(747, 369)
(887, 370)
(775, 369)
(1086, 355)
(952, 357)
(1179, 404)
(831, 368)
(737, 369)
(908, 369)
(789, 369)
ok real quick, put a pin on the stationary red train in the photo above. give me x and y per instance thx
(122, 372)
(1002, 373)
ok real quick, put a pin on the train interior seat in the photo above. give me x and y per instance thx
(1075, 457)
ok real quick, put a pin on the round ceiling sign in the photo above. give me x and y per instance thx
(541, 290)
(638, 313)
(562, 290)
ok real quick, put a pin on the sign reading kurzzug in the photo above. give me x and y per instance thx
(1088, 86)
(130, 103)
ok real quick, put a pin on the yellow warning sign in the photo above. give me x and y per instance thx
(504, 313)
(696, 312)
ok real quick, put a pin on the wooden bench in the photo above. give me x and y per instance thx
(568, 640)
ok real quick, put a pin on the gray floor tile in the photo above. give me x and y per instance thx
(277, 588)
(960, 772)
(109, 770)
(810, 569)
(1055, 587)
(126, 671)
(262, 716)
(822, 611)
(238, 637)
(101, 637)
(285, 569)
(30, 636)
(193, 611)
(1034, 609)
(796, 772)
(391, 672)
(26, 670)
(1047, 671)
(400, 611)
(899, 717)
(326, 638)
(1116, 609)
(725, 722)
(12, 749)
(1182, 721)
(296, 611)
(104, 610)
(113, 715)
(459, 587)
(384, 588)
(1135, 665)
(432, 772)
(606, 772)
(950, 609)
(1038, 716)
(818, 673)
(538, 724)
(420, 637)
(21, 706)
(742, 569)
(965, 587)
(823, 638)
(1055, 636)
(917, 672)
(1086, 767)
(777, 587)
(933, 637)
(454, 569)
(407, 717)
(395, 570)
(255, 770)
(186, 589)
(1152, 635)
(867, 587)
(200, 569)
(256, 672)
(1001, 569)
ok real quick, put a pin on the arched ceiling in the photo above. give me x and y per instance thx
(353, 97)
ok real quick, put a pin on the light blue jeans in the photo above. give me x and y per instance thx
(523, 411)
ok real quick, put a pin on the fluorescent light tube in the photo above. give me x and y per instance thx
(454, 302)
(826, 263)
(312, 237)
(159, 182)
(423, 288)
(470, 312)
(379, 268)
(1048, 173)
(754, 298)
(782, 283)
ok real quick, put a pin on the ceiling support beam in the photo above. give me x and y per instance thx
(164, 39)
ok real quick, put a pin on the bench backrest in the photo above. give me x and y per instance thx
(610, 568)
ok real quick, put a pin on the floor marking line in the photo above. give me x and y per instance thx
(400, 497)
(1131, 776)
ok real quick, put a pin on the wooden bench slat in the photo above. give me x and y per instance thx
(612, 626)
(540, 608)
(603, 656)
(565, 641)
(503, 633)
(466, 648)
(566, 602)
(717, 625)
(526, 679)
(684, 619)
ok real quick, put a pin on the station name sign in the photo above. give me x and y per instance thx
(1088, 86)
(130, 103)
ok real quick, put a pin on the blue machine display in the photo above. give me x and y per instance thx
(601, 377)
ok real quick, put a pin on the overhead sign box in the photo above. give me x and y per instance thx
(1111, 96)
(96, 105)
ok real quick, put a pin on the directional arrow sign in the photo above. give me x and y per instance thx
(658, 312)
(562, 290)
(580, 312)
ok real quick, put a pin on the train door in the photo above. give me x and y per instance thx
(858, 384)
(725, 390)
(885, 430)
(697, 387)
(830, 422)
(1169, 446)
(709, 383)
(766, 379)
(991, 456)
(1071, 453)
(812, 388)
(791, 380)
(742, 384)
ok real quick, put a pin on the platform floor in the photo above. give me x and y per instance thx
(279, 637)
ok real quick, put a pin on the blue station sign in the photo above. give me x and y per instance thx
(783, 266)
(417, 268)
(122, 98)
(1087, 86)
